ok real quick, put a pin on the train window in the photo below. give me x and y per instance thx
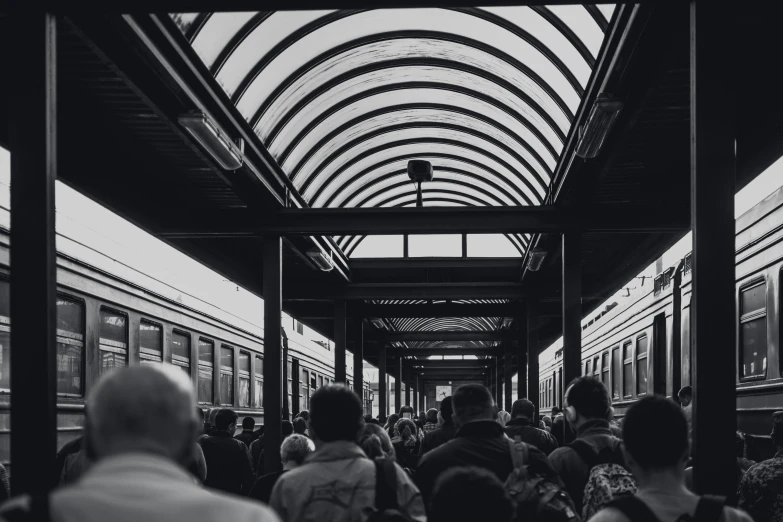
(596, 367)
(616, 373)
(753, 331)
(641, 365)
(605, 369)
(180, 350)
(290, 386)
(70, 346)
(226, 375)
(258, 399)
(150, 342)
(113, 340)
(299, 327)
(588, 368)
(320, 381)
(313, 384)
(627, 370)
(244, 379)
(206, 362)
(304, 397)
(5, 336)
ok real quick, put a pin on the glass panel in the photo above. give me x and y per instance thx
(258, 400)
(641, 346)
(607, 10)
(206, 357)
(491, 245)
(641, 376)
(435, 245)
(596, 367)
(226, 389)
(587, 368)
(488, 197)
(616, 373)
(70, 347)
(113, 329)
(5, 302)
(379, 246)
(432, 199)
(754, 298)
(180, 349)
(259, 366)
(151, 340)
(244, 392)
(388, 78)
(754, 348)
(418, 96)
(449, 156)
(627, 370)
(605, 369)
(217, 32)
(244, 362)
(111, 360)
(5, 359)
(226, 358)
(384, 20)
(580, 22)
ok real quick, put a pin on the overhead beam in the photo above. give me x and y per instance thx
(502, 290)
(433, 220)
(443, 262)
(325, 310)
(426, 352)
(477, 364)
(391, 337)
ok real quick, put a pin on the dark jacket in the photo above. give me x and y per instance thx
(262, 489)
(563, 431)
(69, 448)
(570, 466)
(438, 437)
(524, 429)
(482, 444)
(247, 436)
(228, 463)
(407, 456)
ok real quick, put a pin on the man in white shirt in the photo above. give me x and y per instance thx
(141, 426)
(655, 435)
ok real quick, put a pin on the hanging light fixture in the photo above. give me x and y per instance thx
(420, 171)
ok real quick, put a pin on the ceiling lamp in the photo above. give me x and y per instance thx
(212, 139)
(598, 126)
(419, 171)
(321, 260)
(535, 259)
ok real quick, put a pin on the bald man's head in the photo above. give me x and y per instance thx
(148, 408)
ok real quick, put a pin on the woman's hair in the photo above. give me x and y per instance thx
(295, 448)
(405, 428)
(375, 442)
(503, 417)
(392, 420)
(300, 425)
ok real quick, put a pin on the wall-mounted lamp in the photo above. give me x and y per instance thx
(535, 260)
(506, 324)
(212, 139)
(598, 126)
(320, 260)
(420, 171)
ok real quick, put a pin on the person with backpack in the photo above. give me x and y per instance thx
(472, 494)
(655, 434)
(338, 482)
(479, 442)
(592, 465)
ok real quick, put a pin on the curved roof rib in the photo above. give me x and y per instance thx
(343, 99)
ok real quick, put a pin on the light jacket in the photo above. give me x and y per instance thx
(142, 487)
(337, 483)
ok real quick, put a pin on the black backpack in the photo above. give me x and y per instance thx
(387, 509)
(709, 509)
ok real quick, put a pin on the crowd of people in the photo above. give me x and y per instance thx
(149, 453)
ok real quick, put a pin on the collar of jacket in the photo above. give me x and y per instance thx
(483, 428)
(520, 421)
(594, 427)
(120, 465)
(220, 433)
(337, 450)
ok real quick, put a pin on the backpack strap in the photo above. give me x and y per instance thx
(634, 509)
(385, 485)
(585, 452)
(709, 508)
(520, 453)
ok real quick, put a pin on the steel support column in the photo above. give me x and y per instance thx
(522, 352)
(499, 363)
(339, 341)
(358, 358)
(33, 139)
(532, 362)
(422, 386)
(397, 384)
(508, 375)
(713, 321)
(572, 306)
(383, 410)
(273, 361)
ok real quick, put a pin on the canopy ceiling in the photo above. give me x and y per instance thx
(343, 99)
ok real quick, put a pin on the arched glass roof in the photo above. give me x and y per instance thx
(343, 99)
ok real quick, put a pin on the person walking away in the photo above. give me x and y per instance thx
(257, 448)
(338, 482)
(300, 426)
(228, 460)
(406, 444)
(503, 417)
(562, 430)
(375, 443)
(521, 425)
(140, 429)
(655, 435)
(592, 466)
(391, 422)
(293, 451)
(445, 432)
(470, 493)
(479, 442)
(432, 421)
(761, 489)
(247, 436)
